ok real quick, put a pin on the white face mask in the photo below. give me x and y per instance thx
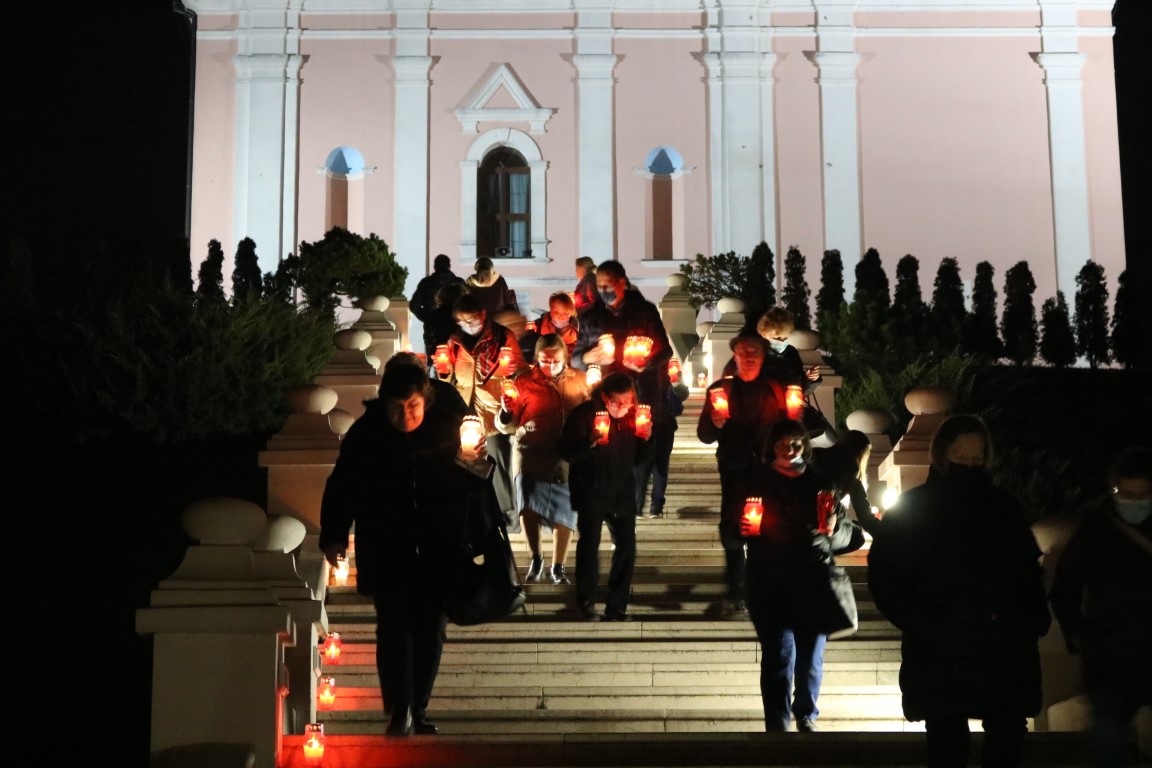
(778, 346)
(1133, 511)
(471, 328)
(552, 369)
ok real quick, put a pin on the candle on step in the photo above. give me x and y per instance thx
(340, 572)
(326, 693)
(332, 648)
(313, 743)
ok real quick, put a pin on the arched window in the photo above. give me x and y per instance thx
(344, 190)
(504, 210)
(474, 222)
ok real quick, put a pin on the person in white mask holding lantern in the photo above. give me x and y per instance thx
(1102, 598)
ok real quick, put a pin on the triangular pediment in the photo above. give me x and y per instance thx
(500, 96)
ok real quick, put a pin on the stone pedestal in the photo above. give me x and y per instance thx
(907, 465)
(300, 456)
(679, 317)
(219, 639)
(351, 373)
(376, 317)
(716, 350)
(874, 424)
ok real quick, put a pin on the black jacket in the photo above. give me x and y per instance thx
(957, 568)
(601, 476)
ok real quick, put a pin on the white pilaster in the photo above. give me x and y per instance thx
(769, 226)
(410, 234)
(267, 100)
(1069, 166)
(594, 87)
(840, 157)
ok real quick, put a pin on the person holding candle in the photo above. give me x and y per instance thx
(476, 349)
(603, 490)
(534, 416)
(957, 569)
(560, 319)
(846, 463)
(751, 403)
(790, 553)
(403, 479)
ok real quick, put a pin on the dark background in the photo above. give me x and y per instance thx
(96, 99)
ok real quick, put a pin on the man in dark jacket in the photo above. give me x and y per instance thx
(1102, 597)
(753, 404)
(423, 304)
(398, 480)
(603, 489)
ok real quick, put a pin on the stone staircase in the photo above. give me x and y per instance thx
(676, 685)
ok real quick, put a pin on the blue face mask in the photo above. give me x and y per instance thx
(608, 297)
(1133, 511)
(778, 346)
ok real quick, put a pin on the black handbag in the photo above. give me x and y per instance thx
(485, 585)
(838, 613)
(815, 422)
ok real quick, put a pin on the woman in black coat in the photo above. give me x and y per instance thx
(398, 480)
(957, 568)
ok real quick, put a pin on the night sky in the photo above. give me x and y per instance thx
(96, 110)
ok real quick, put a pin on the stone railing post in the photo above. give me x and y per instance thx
(874, 424)
(716, 349)
(351, 373)
(679, 317)
(376, 317)
(219, 638)
(907, 465)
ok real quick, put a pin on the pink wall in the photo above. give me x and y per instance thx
(214, 154)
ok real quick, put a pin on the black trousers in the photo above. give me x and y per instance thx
(949, 741)
(735, 549)
(410, 634)
(656, 467)
(622, 527)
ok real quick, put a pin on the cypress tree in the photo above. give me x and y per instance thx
(247, 281)
(1057, 342)
(830, 297)
(1092, 314)
(948, 311)
(759, 292)
(908, 310)
(210, 278)
(980, 337)
(1131, 326)
(1018, 324)
(796, 290)
(872, 281)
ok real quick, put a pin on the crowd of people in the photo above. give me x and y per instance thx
(576, 425)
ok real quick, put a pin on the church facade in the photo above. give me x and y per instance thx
(650, 131)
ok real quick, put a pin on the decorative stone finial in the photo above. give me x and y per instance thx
(730, 305)
(870, 422)
(310, 398)
(352, 338)
(281, 534)
(222, 520)
(929, 401)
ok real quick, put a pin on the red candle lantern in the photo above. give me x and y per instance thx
(753, 514)
(504, 361)
(332, 648)
(592, 375)
(530, 326)
(719, 399)
(313, 743)
(636, 350)
(673, 370)
(441, 359)
(508, 387)
(340, 572)
(326, 693)
(601, 424)
(825, 510)
(701, 379)
(643, 417)
(607, 344)
(471, 431)
(794, 401)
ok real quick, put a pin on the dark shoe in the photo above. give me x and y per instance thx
(400, 723)
(588, 611)
(806, 725)
(558, 575)
(616, 616)
(536, 569)
(658, 513)
(423, 726)
(734, 608)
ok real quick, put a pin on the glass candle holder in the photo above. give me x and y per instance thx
(440, 359)
(530, 326)
(719, 399)
(636, 350)
(331, 648)
(471, 431)
(794, 401)
(592, 375)
(701, 379)
(508, 387)
(674, 370)
(504, 361)
(825, 511)
(326, 693)
(601, 424)
(607, 344)
(643, 417)
(340, 572)
(753, 514)
(313, 743)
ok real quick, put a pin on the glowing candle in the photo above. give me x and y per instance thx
(471, 431)
(753, 514)
(572, 295)
(636, 350)
(643, 417)
(592, 375)
(719, 400)
(825, 511)
(326, 693)
(504, 361)
(607, 344)
(441, 360)
(701, 379)
(530, 326)
(313, 743)
(340, 572)
(332, 648)
(674, 370)
(794, 400)
(601, 424)
(508, 386)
